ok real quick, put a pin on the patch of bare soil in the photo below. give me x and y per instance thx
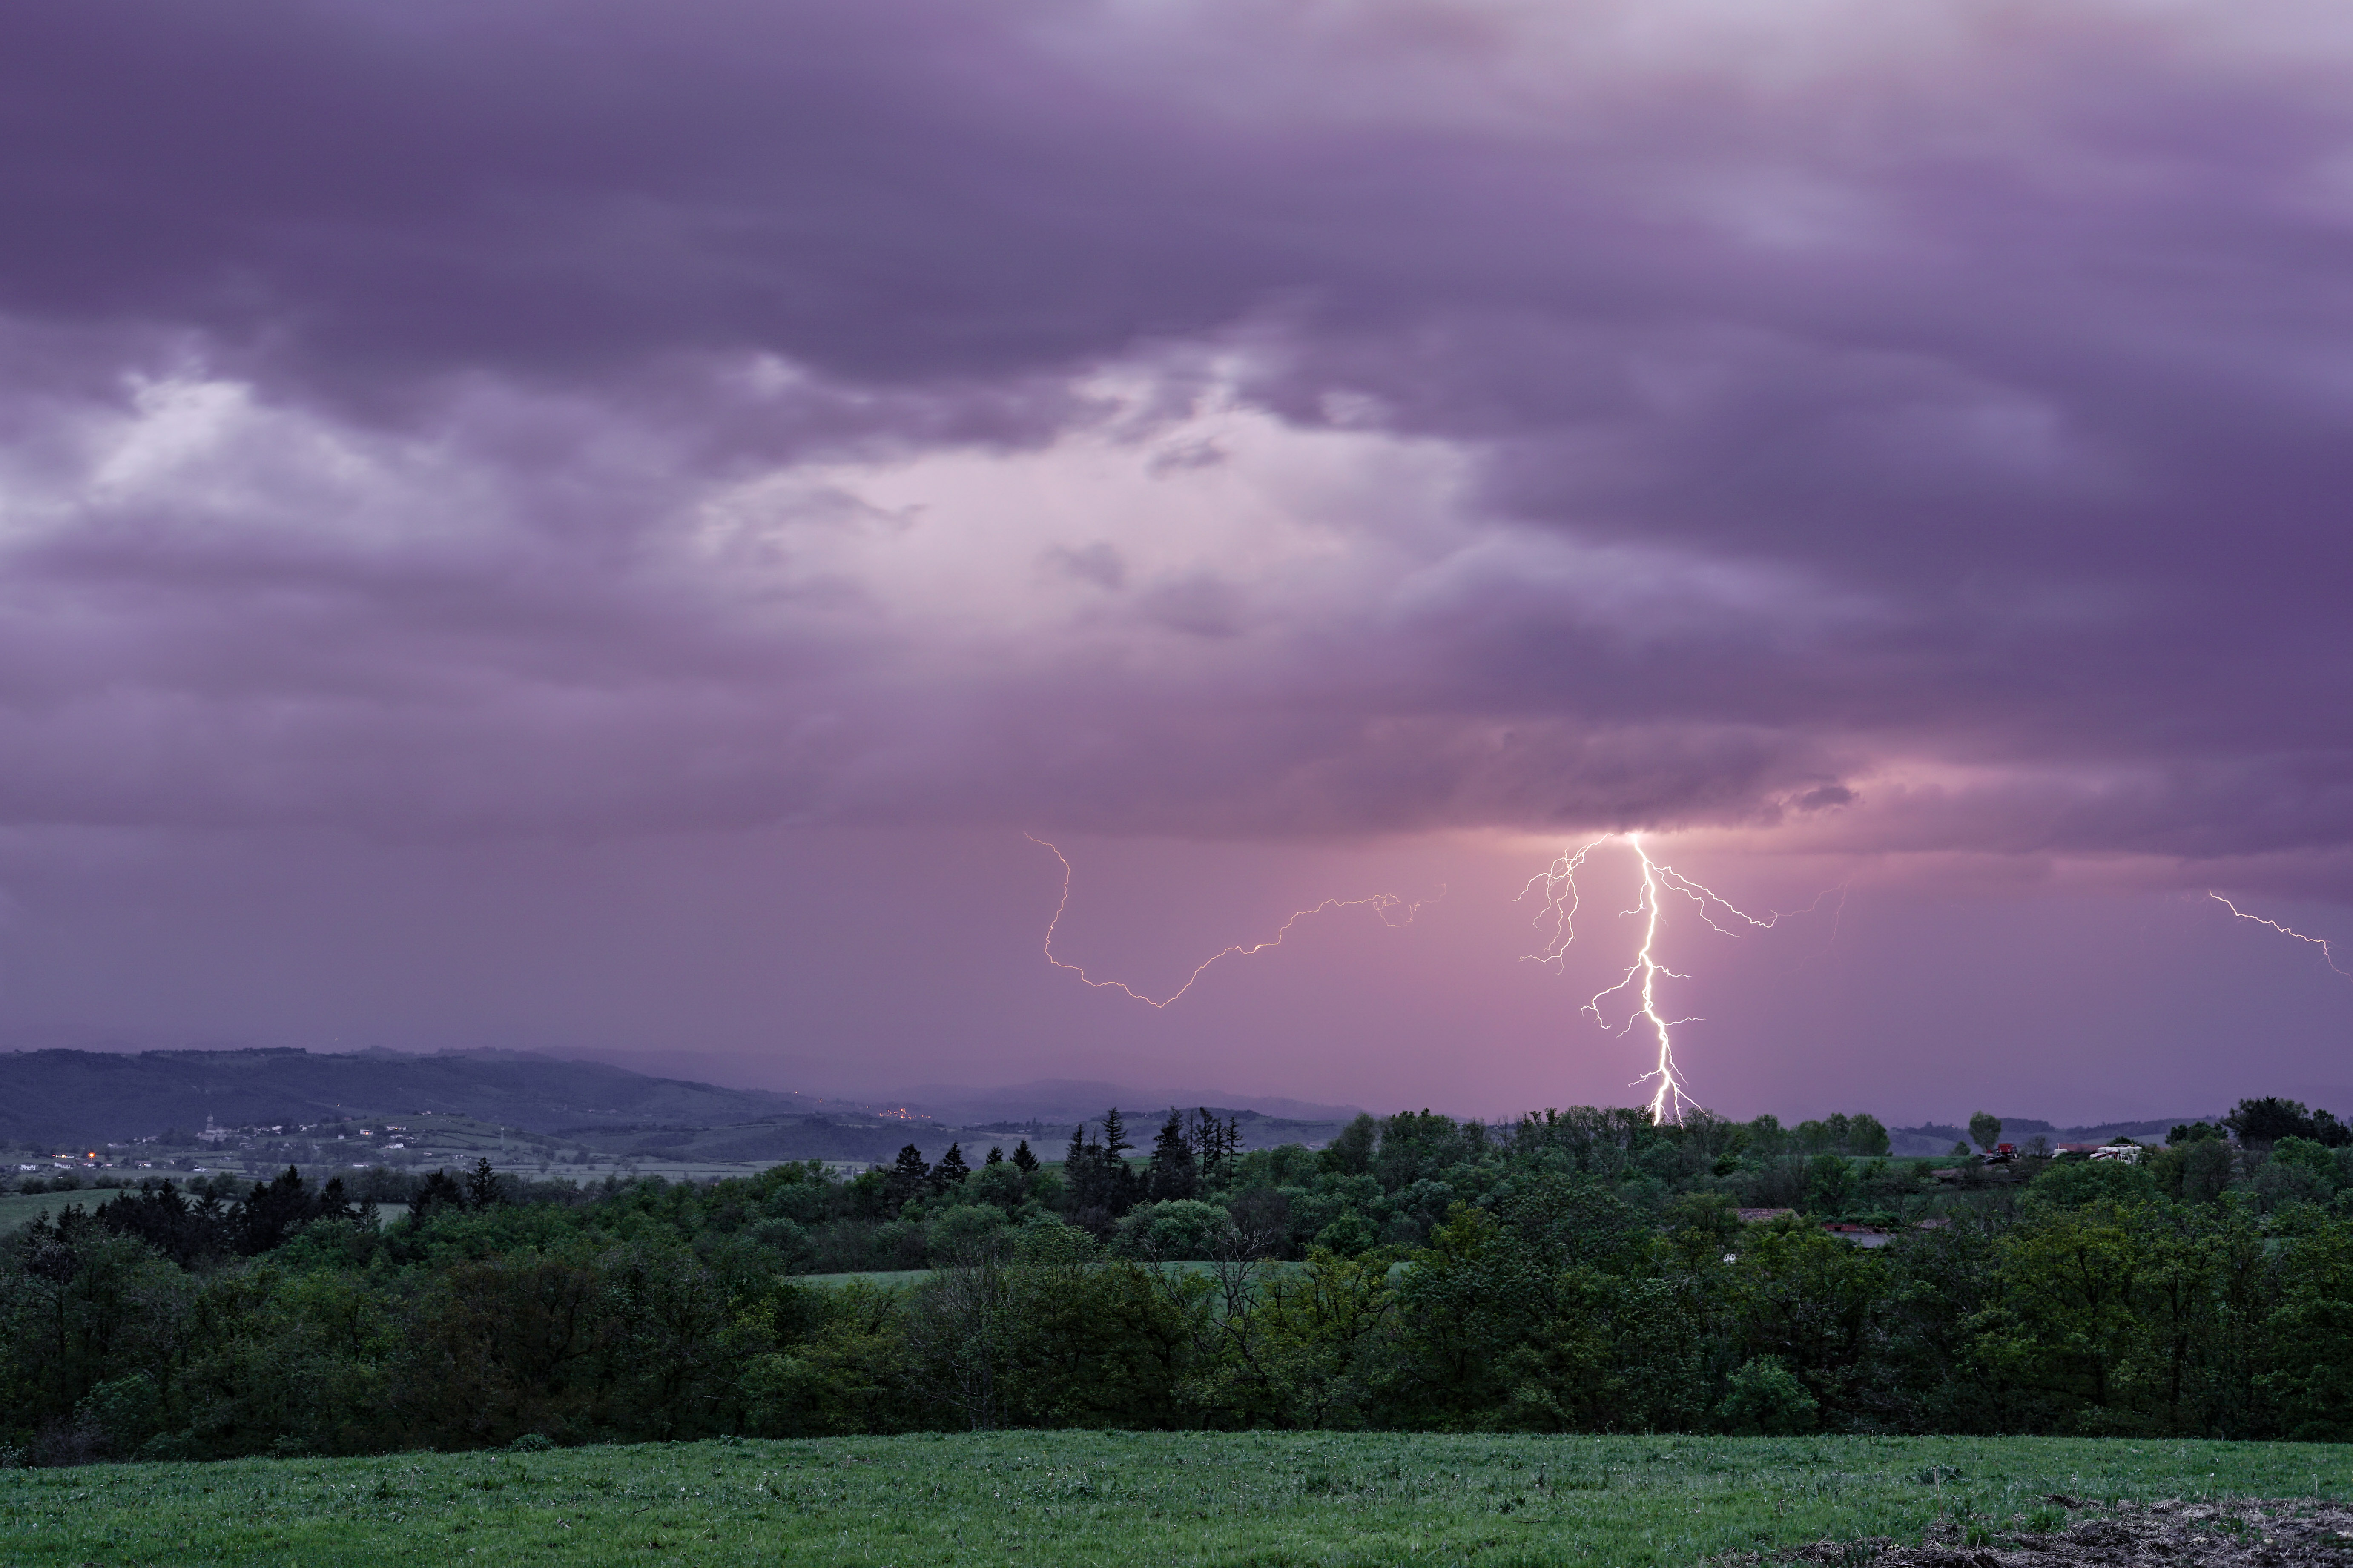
(2249, 1534)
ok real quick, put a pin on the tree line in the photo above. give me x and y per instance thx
(1577, 1271)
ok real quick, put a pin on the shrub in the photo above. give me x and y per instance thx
(955, 1232)
(1178, 1228)
(2072, 1185)
(1765, 1400)
(1349, 1235)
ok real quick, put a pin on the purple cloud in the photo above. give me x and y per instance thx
(440, 419)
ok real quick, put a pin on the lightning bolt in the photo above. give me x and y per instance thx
(1558, 917)
(2326, 956)
(1381, 904)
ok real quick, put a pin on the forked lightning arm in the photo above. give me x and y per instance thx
(2325, 956)
(1381, 904)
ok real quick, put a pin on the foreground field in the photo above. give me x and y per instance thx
(1073, 1498)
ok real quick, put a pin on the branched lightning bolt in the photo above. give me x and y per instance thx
(1381, 904)
(1559, 916)
(2326, 956)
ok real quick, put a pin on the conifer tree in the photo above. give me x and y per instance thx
(1118, 1187)
(1024, 1159)
(1206, 1134)
(1173, 1172)
(438, 1191)
(907, 1178)
(951, 1170)
(482, 1185)
(995, 1155)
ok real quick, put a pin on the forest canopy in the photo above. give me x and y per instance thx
(1577, 1271)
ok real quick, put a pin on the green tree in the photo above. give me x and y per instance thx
(1763, 1398)
(1809, 1301)
(1986, 1127)
(1609, 1352)
(952, 1169)
(1830, 1185)
(960, 1329)
(2199, 1170)
(482, 1185)
(1181, 1229)
(1350, 1153)
(1097, 1341)
(2204, 1295)
(908, 1179)
(80, 1306)
(1304, 1353)
(825, 1361)
(2068, 1322)
(1173, 1172)
(1348, 1235)
(1866, 1135)
(2265, 1121)
(2308, 1377)
(2075, 1183)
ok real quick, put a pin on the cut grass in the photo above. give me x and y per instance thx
(1233, 1501)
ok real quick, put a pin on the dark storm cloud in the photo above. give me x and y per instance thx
(383, 191)
(1943, 432)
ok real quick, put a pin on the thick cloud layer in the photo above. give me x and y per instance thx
(1910, 428)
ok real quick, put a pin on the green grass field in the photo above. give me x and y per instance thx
(1078, 1498)
(16, 1208)
(898, 1276)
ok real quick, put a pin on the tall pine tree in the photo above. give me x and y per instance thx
(1173, 1172)
(1215, 1143)
(951, 1170)
(1122, 1187)
(908, 1180)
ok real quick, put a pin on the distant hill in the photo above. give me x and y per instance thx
(1067, 1101)
(89, 1097)
(52, 1095)
(1938, 1138)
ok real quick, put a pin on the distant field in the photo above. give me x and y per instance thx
(1045, 1499)
(16, 1208)
(909, 1276)
(874, 1277)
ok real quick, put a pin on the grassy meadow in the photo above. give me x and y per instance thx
(16, 1208)
(1079, 1497)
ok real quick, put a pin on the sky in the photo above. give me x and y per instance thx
(604, 529)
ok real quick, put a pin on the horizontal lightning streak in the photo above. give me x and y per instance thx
(1381, 904)
(2326, 956)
